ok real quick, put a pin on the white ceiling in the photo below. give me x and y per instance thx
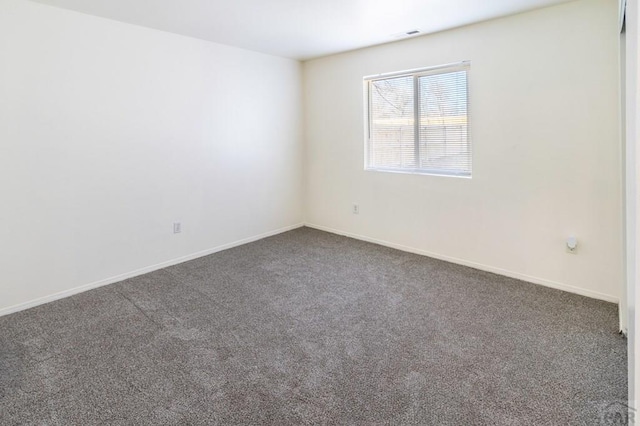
(300, 29)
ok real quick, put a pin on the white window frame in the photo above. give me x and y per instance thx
(416, 73)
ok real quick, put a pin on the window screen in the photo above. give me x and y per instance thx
(417, 121)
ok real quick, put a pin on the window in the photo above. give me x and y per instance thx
(417, 121)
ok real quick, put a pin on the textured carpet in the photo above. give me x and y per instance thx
(311, 328)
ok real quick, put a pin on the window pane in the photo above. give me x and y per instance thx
(443, 139)
(391, 126)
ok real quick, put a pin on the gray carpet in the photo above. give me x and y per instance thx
(311, 328)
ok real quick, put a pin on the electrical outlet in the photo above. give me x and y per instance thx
(356, 209)
(177, 228)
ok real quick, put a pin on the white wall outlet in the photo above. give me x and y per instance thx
(177, 228)
(572, 245)
(356, 209)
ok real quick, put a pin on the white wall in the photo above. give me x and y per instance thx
(111, 132)
(632, 136)
(628, 172)
(546, 150)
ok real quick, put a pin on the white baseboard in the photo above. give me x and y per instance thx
(141, 271)
(482, 267)
(146, 270)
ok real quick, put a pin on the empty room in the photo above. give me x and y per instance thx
(278, 212)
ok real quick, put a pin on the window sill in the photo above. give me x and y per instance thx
(419, 172)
